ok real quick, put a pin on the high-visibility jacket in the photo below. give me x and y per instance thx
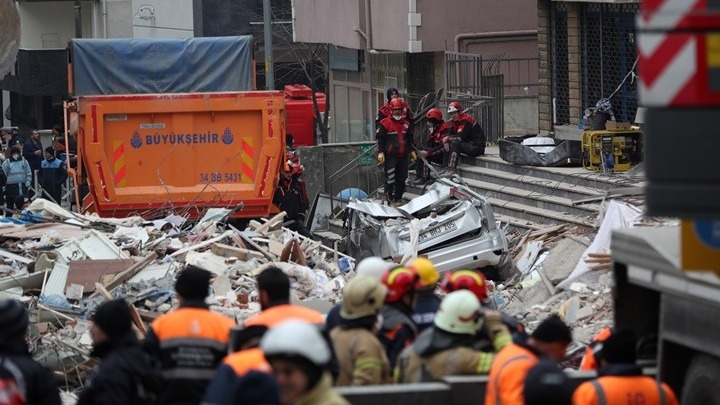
(279, 313)
(507, 375)
(190, 343)
(226, 387)
(361, 358)
(248, 360)
(624, 390)
(589, 360)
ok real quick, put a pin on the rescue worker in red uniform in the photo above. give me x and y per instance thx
(620, 380)
(434, 149)
(398, 330)
(395, 147)
(385, 110)
(467, 137)
(274, 289)
(291, 196)
(189, 342)
(511, 365)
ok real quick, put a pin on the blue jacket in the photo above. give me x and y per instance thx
(425, 308)
(17, 171)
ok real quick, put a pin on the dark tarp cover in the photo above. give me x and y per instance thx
(566, 153)
(139, 66)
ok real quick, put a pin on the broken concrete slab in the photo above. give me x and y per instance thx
(88, 272)
(562, 260)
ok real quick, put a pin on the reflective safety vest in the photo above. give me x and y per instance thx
(624, 390)
(507, 375)
(277, 314)
(248, 360)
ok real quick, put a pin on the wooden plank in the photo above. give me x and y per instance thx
(200, 245)
(89, 272)
(133, 311)
(129, 273)
(232, 251)
(13, 256)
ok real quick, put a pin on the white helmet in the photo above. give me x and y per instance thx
(296, 338)
(455, 106)
(373, 266)
(362, 296)
(459, 313)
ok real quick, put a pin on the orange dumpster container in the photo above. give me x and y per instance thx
(151, 154)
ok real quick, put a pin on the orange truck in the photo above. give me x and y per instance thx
(162, 138)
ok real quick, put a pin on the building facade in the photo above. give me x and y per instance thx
(587, 52)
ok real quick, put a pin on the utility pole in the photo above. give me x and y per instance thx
(267, 42)
(78, 19)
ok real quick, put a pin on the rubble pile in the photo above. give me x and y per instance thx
(66, 265)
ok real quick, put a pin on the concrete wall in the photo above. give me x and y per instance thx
(162, 19)
(49, 25)
(328, 21)
(521, 116)
(119, 18)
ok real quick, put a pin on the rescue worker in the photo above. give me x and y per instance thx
(546, 384)
(398, 330)
(426, 303)
(447, 348)
(467, 137)
(434, 148)
(620, 381)
(189, 342)
(591, 358)
(52, 175)
(17, 172)
(125, 374)
(245, 376)
(511, 365)
(475, 282)
(372, 266)
(385, 110)
(274, 291)
(361, 356)
(395, 145)
(23, 380)
(299, 356)
(291, 196)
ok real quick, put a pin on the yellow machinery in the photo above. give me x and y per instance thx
(625, 146)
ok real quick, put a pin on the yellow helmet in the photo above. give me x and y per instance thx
(427, 272)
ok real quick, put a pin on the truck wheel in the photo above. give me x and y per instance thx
(701, 382)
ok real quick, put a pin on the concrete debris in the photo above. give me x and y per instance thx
(63, 278)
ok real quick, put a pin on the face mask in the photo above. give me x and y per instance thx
(15, 156)
(397, 117)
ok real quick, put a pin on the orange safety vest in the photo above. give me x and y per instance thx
(589, 361)
(277, 314)
(624, 390)
(507, 375)
(248, 360)
(193, 341)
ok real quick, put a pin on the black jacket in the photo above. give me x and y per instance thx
(34, 383)
(29, 150)
(125, 375)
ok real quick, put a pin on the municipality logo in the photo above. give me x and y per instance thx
(136, 141)
(227, 136)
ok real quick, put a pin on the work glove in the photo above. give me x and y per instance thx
(381, 157)
(493, 324)
(413, 156)
(423, 154)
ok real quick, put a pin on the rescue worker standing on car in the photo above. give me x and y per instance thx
(447, 348)
(395, 147)
(620, 380)
(434, 150)
(189, 342)
(361, 356)
(398, 330)
(467, 136)
(384, 111)
(300, 357)
(511, 365)
(427, 303)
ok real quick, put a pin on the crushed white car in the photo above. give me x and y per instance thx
(450, 224)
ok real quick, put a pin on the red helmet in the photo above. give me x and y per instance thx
(471, 280)
(434, 114)
(397, 104)
(399, 281)
(455, 106)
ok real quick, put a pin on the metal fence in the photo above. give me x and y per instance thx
(559, 63)
(520, 73)
(608, 54)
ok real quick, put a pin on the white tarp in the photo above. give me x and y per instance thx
(617, 215)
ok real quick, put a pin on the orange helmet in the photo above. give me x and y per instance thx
(434, 114)
(455, 106)
(399, 281)
(397, 104)
(471, 280)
